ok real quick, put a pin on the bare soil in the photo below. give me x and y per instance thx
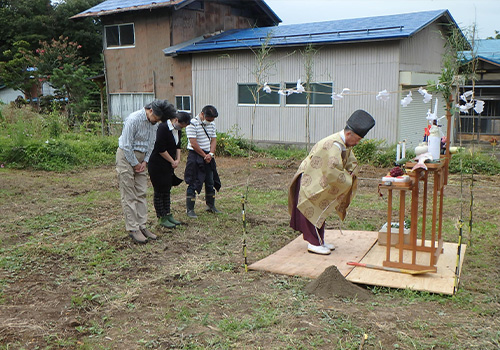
(70, 278)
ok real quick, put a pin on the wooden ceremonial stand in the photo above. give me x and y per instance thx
(419, 178)
(434, 245)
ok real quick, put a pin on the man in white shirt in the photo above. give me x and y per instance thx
(200, 165)
(134, 149)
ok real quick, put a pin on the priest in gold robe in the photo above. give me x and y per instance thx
(326, 181)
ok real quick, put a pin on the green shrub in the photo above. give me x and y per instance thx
(284, 152)
(52, 155)
(70, 151)
(91, 123)
(232, 144)
(55, 123)
(366, 150)
(474, 163)
(375, 153)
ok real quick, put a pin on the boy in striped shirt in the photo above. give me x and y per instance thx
(200, 165)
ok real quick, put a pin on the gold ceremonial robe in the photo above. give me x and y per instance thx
(329, 180)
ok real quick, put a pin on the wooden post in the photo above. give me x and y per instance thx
(424, 208)
(103, 123)
(402, 200)
(389, 230)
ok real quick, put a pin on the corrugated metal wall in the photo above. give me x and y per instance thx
(367, 68)
(423, 54)
(413, 119)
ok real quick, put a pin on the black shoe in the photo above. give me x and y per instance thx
(213, 209)
(190, 201)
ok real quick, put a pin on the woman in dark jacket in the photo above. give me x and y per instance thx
(162, 163)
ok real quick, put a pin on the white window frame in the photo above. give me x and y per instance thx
(119, 46)
(182, 98)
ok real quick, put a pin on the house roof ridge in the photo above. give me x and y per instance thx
(387, 27)
(109, 7)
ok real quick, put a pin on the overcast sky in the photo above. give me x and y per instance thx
(484, 13)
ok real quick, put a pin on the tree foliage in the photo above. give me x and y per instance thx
(15, 72)
(40, 43)
(86, 31)
(36, 21)
(54, 55)
(27, 20)
(455, 66)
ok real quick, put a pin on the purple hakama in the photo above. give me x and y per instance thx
(299, 222)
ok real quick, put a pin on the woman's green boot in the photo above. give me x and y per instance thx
(170, 218)
(165, 222)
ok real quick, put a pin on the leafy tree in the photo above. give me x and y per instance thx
(27, 20)
(59, 63)
(40, 20)
(73, 84)
(16, 72)
(86, 31)
(54, 55)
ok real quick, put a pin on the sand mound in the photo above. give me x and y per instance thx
(331, 283)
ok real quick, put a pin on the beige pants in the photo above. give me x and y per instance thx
(133, 188)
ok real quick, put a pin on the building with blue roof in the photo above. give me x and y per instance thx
(392, 27)
(396, 53)
(207, 58)
(486, 59)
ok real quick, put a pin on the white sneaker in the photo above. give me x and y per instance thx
(329, 246)
(318, 249)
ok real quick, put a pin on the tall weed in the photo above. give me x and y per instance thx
(43, 141)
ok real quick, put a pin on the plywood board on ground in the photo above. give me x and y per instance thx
(294, 260)
(440, 282)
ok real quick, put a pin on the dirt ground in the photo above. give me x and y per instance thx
(70, 278)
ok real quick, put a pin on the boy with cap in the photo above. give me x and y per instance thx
(134, 149)
(326, 181)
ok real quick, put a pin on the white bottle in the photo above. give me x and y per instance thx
(434, 142)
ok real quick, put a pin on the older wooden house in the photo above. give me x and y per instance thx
(136, 32)
(397, 53)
